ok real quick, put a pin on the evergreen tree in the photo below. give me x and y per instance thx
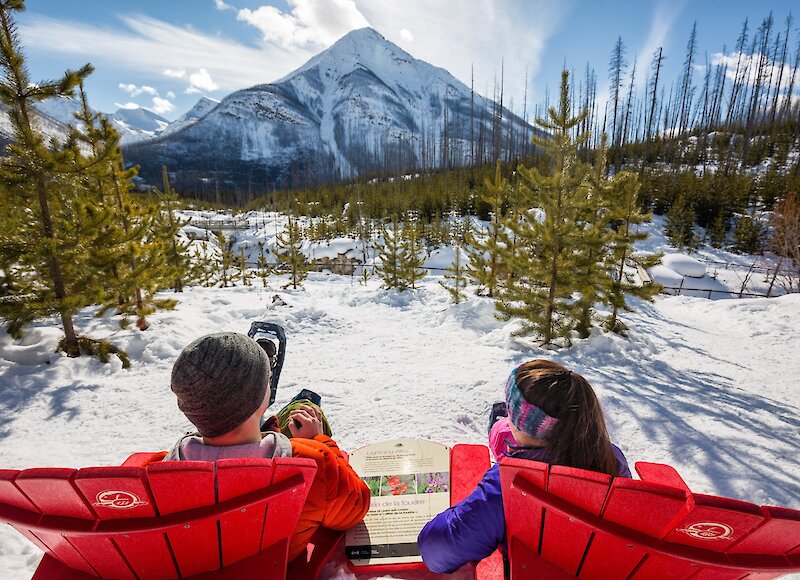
(167, 228)
(289, 254)
(540, 291)
(203, 265)
(49, 223)
(263, 265)
(592, 247)
(457, 276)
(626, 215)
(226, 260)
(132, 261)
(390, 259)
(485, 265)
(364, 234)
(412, 256)
(680, 225)
(718, 231)
(747, 235)
(243, 270)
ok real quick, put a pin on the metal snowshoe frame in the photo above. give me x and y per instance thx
(273, 332)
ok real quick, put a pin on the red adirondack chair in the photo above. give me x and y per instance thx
(160, 520)
(562, 522)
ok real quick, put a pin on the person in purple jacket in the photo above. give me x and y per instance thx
(554, 417)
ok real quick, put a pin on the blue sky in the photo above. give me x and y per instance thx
(165, 54)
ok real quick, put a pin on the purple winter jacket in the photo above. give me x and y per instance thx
(474, 528)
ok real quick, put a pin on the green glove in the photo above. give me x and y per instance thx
(283, 417)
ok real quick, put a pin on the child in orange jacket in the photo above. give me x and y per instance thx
(222, 384)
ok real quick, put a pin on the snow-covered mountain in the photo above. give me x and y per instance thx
(137, 124)
(204, 106)
(361, 105)
(132, 124)
(50, 127)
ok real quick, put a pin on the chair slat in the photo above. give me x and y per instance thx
(53, 493)
(566, 540)
(122, 493)
(610, 557)
(284, 510)
(196, 545)
(10, 494)
(241, 532)
(468, 463)
(63, 550)
(715, 523)
(779, 535)
(523, 513)
(645, 507)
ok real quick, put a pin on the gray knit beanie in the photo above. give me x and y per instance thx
(220, 380)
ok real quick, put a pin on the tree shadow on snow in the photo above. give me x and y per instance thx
(700, 419)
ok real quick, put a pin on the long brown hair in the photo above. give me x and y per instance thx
(580, 438)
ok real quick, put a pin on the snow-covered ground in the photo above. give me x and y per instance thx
(710, 387)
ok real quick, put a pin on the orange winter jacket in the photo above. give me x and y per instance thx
(337, 500)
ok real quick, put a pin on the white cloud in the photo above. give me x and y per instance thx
(201, 81)
(162, 106)
(310, 23)
(135, 91)
(445, 37)
(148, 45)
(170, 95)
(222, 5)
(127, 105)
(175, 74)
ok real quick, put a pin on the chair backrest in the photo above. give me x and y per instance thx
(163, 520)
(571, 522)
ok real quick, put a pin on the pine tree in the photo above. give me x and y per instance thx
(390, 258)
(289, 254)
(485, 265)
(52, 222)
(456, 274)
(263, 266)
(225, 261)
(718, 231)
(592, 247)
(540, 291)
(132, 260)
(680, 225)
(412, 256)
(747, 235)
(625, 213)
(243, 270)
(167, 228)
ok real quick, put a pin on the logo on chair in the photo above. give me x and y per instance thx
(708, 531)
(118, 500)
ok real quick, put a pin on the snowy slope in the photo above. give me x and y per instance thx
(709, 387)
(136, 125)
(133, 125)
(344, 112)
(50, 127)
(200, 110)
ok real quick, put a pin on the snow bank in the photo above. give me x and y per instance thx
(684, 265)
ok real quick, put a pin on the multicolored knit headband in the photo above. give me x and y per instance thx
(526, 416)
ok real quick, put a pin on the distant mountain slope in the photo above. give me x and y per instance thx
(362, 105)
(132, 124)
(200, 110)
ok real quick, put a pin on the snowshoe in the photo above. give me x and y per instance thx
(272, 339)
